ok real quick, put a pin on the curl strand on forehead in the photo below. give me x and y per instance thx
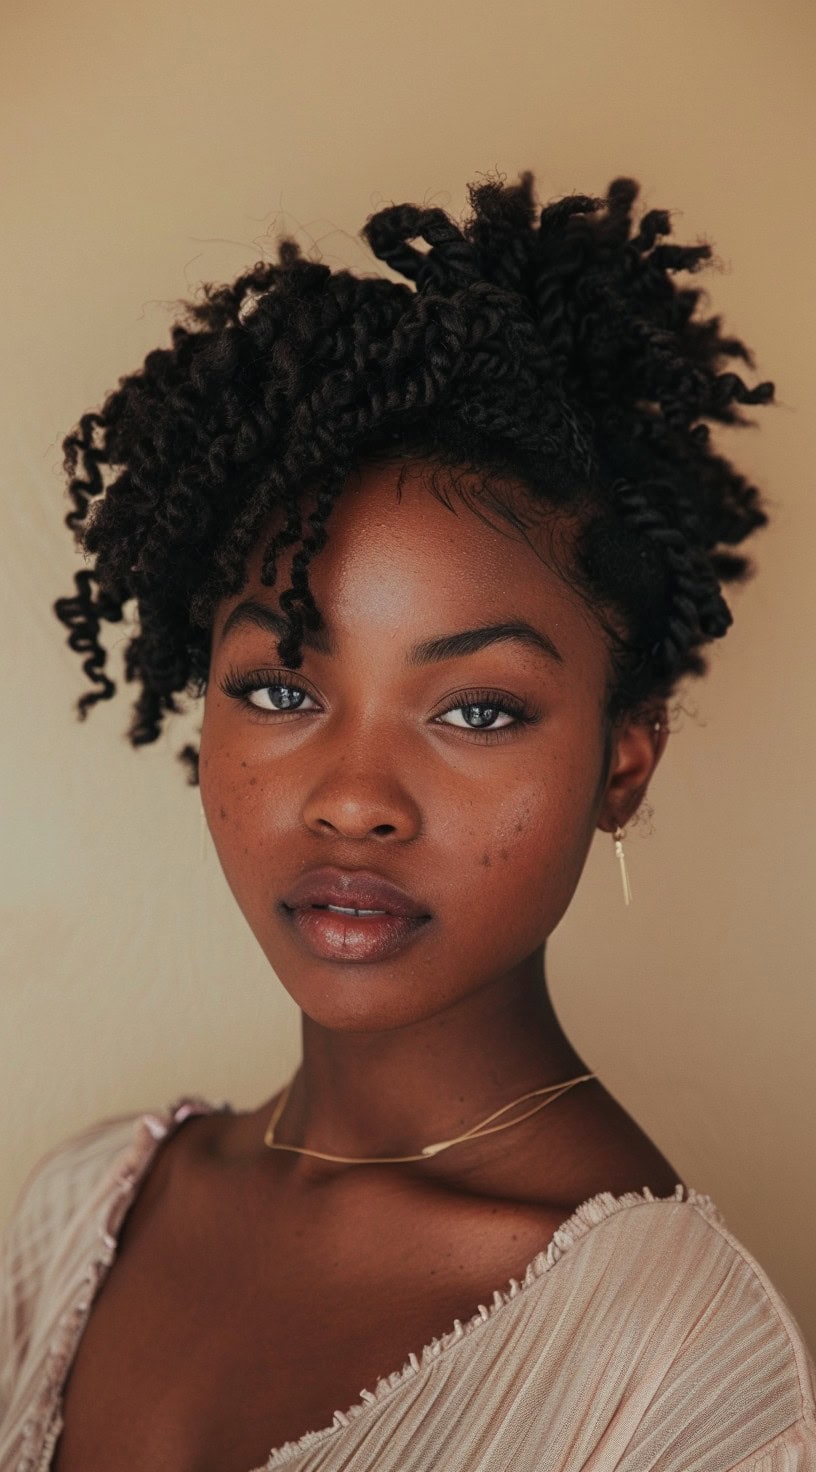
(549, 344)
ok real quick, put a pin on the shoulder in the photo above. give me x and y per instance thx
(600, 1146)
(710, 1364)
(66, 1181)
(64, 1219)
(741, 1378)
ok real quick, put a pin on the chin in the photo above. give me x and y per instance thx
(353, 1005)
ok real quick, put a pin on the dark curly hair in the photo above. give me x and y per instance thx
(550, 346)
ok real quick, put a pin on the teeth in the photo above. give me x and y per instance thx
(348, 910)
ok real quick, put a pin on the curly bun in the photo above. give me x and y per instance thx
(549, 345)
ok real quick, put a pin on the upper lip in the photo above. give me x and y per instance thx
(360, 889)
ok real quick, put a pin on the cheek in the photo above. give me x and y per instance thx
(523, 850)
(247, 841)
(240, 805)
(244, 813)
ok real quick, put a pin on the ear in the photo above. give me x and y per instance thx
(638, 743)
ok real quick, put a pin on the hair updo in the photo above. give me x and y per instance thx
(551, 346)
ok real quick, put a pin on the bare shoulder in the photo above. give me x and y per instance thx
(596, 1145)
(508, 1205)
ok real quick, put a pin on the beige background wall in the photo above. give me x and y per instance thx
(153, 145)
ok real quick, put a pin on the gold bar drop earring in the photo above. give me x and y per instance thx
(627, 888)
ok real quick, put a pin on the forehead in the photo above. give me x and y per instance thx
(400, 561)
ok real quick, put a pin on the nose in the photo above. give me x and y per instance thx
(361, 801)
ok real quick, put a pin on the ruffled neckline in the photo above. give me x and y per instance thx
(149, 1129)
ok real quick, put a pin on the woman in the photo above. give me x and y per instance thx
(436, 559)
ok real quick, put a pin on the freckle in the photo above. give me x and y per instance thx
(253, 781)
(486, 861)
(519, 826)
(222, 813)
(243, 764)
(504, 853)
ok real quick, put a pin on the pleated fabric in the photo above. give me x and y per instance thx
(643, 1338)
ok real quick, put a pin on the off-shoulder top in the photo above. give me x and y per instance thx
(643, 1337)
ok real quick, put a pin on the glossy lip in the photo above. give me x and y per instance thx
(333, 937)
(362, 889)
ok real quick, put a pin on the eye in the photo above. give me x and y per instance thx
(267, 683)
(484, 706)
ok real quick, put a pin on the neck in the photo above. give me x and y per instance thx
(390, 1093)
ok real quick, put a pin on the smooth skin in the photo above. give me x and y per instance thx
(257, 1291)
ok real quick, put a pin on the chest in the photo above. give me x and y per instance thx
(208, 1347)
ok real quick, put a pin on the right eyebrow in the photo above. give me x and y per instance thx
(258, 615)
(428, 651)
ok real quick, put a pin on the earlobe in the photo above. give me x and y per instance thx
(637, 748)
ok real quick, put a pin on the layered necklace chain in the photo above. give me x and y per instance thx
(476, 1132)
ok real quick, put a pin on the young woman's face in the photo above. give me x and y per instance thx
(473, 780)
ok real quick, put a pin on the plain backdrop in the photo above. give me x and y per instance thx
(150, 147)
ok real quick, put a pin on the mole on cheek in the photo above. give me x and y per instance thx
(486, 860)
(253, 781)
(222, 813)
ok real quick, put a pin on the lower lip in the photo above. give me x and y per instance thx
(336, 937)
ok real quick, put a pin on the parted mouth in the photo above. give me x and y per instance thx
(358, 891)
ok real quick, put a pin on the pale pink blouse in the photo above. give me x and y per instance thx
(642, 1338)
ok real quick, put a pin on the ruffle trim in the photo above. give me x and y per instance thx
(586, 1216)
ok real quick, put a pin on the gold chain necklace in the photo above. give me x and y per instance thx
(556, 1090)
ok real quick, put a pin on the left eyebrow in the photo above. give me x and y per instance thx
(428, 651)
(469, 641)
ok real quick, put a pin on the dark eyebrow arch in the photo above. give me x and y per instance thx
(429, 651)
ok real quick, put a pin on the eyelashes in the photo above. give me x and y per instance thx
(491, 703)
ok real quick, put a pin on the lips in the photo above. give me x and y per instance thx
(354, 938)
(360, 889)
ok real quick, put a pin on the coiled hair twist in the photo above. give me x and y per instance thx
(551, 345)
